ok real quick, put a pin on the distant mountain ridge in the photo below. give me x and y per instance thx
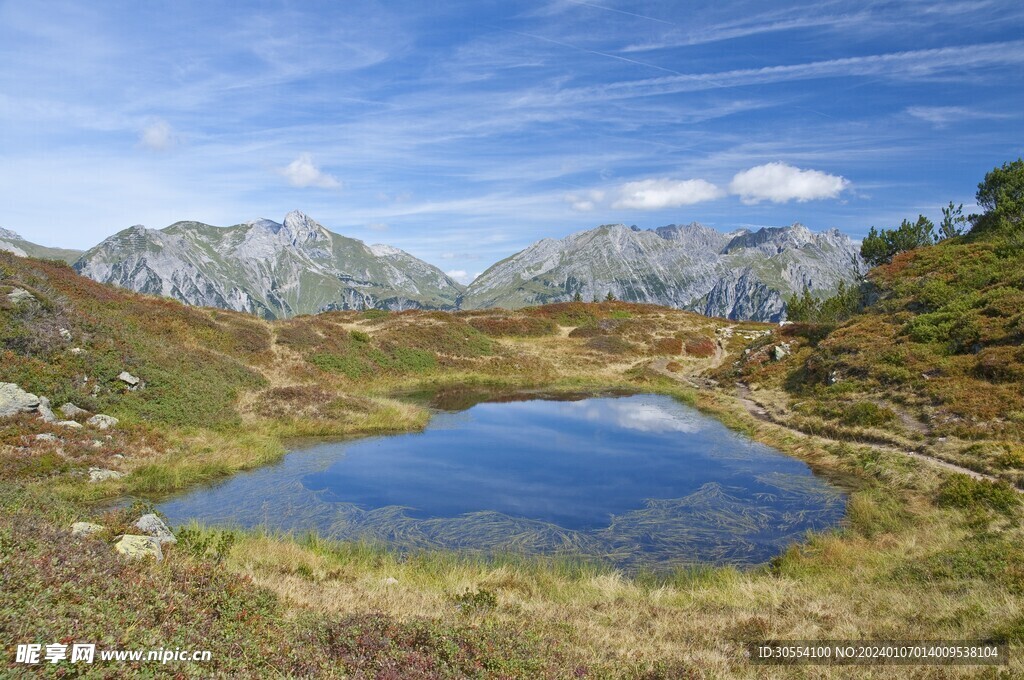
(299, 267)
(14, 243)
(268, 268)
(739, 275)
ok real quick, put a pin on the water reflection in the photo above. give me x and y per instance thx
(635, 480)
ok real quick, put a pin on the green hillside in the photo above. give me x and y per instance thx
(896, 392)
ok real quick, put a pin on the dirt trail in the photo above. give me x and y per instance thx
(695, 378)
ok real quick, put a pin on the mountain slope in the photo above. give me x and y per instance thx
(274, 270)
(14, 243)
(741, 275)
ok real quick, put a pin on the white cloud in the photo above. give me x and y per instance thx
(378, 226)
(584, 201)
(780, 183)
(460, 275)
(654, 194)
(302, 172)
(158, 136)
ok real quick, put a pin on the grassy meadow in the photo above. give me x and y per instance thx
(925, 553)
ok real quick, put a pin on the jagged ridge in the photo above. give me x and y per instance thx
(739, 275)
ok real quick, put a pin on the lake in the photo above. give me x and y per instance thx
(635, 481)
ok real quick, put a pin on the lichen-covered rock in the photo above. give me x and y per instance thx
(102, 475)
(14, 400)
(69, 410)
(139, 547)
(102, 421)
(19, 295)
(47, 437)
(85, 528)
(155, 527)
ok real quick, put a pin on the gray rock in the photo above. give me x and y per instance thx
(69, 423)
(85, 528)
(19, 295)
(102, 421)
(14, 400)
(832, 378)
(155, 527)
(47, 437)
(102, 475)
(139, 547)
(45, 412)
(69, 411)
(128, 379)
(780, 352)
(65, 334)
(75, 350)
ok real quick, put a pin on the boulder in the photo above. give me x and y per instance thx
(14, 400)
(780, 352)
(130, 380)
(69, 423)
(102, 475)
(139, 546)
(70, 411)
(85, 528)
(47, 437)
(155, 527)
(102, 422)
(44, 411)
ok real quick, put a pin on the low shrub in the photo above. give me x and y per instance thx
(700, 346)
(967, 493)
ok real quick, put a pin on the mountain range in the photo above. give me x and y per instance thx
(299, 267)
(739, 275)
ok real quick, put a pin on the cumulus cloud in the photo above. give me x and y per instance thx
(157, 136)
(584, 201)
(654, 194)
(302, 172)
(780, 183)
(460, 275)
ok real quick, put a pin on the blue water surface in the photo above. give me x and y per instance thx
(639, 480)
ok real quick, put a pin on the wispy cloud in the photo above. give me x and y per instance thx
(943, 116)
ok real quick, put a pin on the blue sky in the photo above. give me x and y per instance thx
(466, 131)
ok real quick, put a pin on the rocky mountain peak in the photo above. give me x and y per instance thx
(10, 235)
(299, 228)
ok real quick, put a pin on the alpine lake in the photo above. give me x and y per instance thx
(637, 482)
